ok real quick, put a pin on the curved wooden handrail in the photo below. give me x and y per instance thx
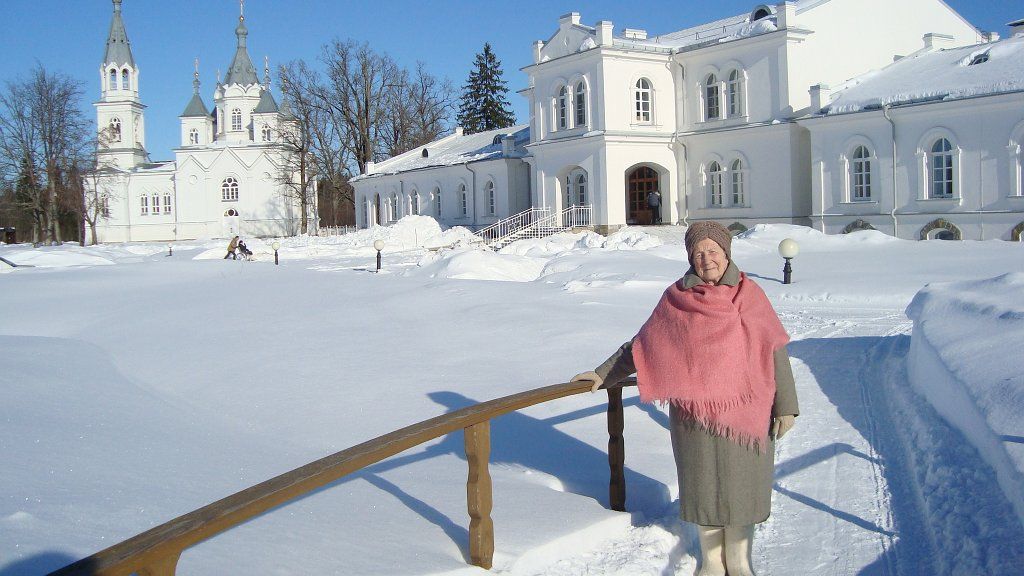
(155, 552)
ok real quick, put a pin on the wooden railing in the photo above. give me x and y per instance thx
(155, 552)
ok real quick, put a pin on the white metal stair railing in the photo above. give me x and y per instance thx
(508, 226)
(571, 217)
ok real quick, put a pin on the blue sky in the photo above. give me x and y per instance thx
(166, 36)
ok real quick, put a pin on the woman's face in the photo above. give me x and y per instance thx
(709, 261)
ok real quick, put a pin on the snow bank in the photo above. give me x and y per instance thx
(468, 263)
(959, 361)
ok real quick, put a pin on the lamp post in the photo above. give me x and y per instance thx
(788, 249)
(378, 245)
(170, 249)
(275, 246)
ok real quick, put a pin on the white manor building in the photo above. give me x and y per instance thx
(733, 121)
(229, 173)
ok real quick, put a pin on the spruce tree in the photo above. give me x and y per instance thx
(483, 106)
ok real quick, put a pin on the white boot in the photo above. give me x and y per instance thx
(712, 551)
(739, 542)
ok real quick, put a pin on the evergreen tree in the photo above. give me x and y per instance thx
(483, 106)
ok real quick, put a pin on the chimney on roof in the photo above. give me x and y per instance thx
(990, 37)
(604, 33)
(934, 41)
(572, 18)
(370, 165)
(1016, 27)
(458, 130)
(634, 34)
(508, 144)
(821, 94)
(537, 47)
(785, 15)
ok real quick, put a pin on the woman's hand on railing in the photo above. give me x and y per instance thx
(590, 376)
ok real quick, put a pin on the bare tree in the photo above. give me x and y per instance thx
(42, 135)
(419, 109)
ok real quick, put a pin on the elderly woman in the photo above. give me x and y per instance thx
(715, 352)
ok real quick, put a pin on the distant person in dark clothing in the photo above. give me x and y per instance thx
(654, 203)
(244, 250)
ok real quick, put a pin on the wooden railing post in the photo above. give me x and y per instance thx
(478, 494)
(616, 451)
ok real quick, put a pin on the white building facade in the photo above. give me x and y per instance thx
(229, 176)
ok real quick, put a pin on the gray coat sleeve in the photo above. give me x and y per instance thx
(618, 366)
(785, 386)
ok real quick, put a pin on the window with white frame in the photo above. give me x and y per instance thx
(126, 80)
(416, 202)
(581, 104)
(105, 207)
(642, 101)
(167, 203)
(734, 93)
(144, 205)
(715, 177)
(193, 136)
(112, 79)
(266, 133)
(236, 120)
(940, 173)
(860, 175)
(736, 177)
(492, 205)
(437, 201)
(156, 205)
(712, 103)
(366, 212)
(580, 189)
(463, 200)
(563, 108)
(115, 129)
(229, 189)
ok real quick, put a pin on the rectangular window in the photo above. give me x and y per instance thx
(167, 203)
(156, 205)
(144, 205)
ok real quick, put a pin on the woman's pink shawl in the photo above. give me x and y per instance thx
(709, 350)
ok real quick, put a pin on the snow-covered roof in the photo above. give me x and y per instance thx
(949, 74)
(455, 149)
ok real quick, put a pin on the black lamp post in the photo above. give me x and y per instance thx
(170, 249)
(275, 246)
(788, 249)
(378, 245)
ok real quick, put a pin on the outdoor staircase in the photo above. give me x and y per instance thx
(534, 223)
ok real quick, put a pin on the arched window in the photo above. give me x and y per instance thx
(734, 92)
(236, 120)
(112, 79)
(940, 175)
(437, 201)
(860, 174)
(156, 205)
(126, 80)
(715, 184)
(167, 203)
(563, 108)
(396, 208)
(464, 200)
(144, 205)
(266, 133)
(580, 188)
(642, 101)
(712, 106)
(736, 176)
(115, 129)
(229, 190)
(492, 205)
(416, 203)
(581, 104)
(193, 136)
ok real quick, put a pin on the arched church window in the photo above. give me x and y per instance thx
(236, 120)
(193, 136)
(712, 107)
(229, 190)
(642, 101)
(734, 92)
(715, 176)
(115, 129)
(416, 202)
(581, 104)
(563, 108)
(112, 80)
(126, 80)
(266, 133)
(492, 204)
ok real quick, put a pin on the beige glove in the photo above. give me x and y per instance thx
(781, 425)
(592, 377)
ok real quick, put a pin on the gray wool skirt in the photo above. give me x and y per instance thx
(721, 483)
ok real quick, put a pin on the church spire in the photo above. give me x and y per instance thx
(119, 50)
(241, 70)
(195, 107)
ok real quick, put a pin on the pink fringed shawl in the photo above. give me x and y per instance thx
(709, 350)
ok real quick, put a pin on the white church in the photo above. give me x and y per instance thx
(229, 175)
(837, 114)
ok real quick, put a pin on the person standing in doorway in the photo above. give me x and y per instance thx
(654, 203)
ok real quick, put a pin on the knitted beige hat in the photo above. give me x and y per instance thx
(708, 229)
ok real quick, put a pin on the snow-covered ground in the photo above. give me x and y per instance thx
(137, 386)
